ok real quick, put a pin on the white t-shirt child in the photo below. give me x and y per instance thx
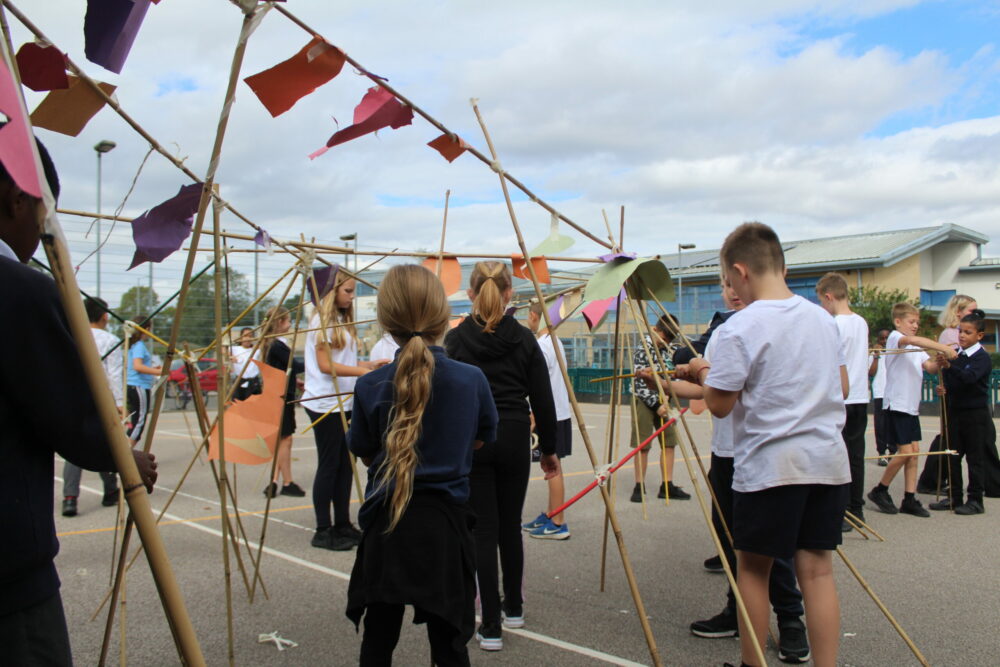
(385, 348)
(878, 382)
(722, 429)
(854, 339)
(319, 383)
(904, 377)
(559, 393)
(241, 358)
(788, 419)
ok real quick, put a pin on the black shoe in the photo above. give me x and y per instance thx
(713, 564)
(882, 500)
(489, 637)
(327, 539)
(292, 489)
(677, 493)
(721, 625)
(271, 490)
(69, 506)
(662, 493)
(883, 462)
(944, 504)
(110, 498)
(637, 494)
(348, 532)
(793, 647)
(970, 508)
(913, 506)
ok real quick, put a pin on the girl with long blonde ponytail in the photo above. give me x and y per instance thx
(415, 425)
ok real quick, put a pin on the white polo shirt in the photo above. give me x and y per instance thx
(559, 393)
(854, 339)
(722, 429)
(904, 377)
(319, 383)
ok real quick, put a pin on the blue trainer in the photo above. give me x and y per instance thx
(550, 531)
(537, 522)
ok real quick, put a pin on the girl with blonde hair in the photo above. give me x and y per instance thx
(416, 424)
(512, 361)
(276, 353)
(332, 367)
(957, 307)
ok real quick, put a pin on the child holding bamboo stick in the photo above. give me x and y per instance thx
(276, 353)
(416, 424)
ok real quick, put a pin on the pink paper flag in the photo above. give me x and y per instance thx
(595, 311)
(378, 108)
(16, 149)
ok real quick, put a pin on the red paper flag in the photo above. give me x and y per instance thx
(448, 147)
(519, 268)
(42, 67)
(378, 108)
(280, 87)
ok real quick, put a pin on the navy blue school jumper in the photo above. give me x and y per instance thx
(967, 384)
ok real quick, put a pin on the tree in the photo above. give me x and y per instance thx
(875, 305)
(136, 301)
(198, 319)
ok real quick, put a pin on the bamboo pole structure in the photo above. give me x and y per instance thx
(613, 423)
(853, 518)
(561, 360)
(444, 229)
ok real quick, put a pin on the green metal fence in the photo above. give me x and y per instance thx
(928, 392)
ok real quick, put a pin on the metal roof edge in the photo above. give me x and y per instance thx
(946, 232)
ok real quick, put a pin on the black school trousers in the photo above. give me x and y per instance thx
(786, 600)
(382, 625)
(854, 438)
(967, 432)
(498, 483)
(332, 483)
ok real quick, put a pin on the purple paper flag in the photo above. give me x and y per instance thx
(555, 311)
(263, 239)
(109, 30)
(162, 229)
(325, 279)
(617, 255)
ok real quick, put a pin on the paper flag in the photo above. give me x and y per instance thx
(109, 30)
(42, 67)
(610, 278)
(595, 311)
(449, 148)
(519, 268)
(378, 109)
(16, 149)
(280, 87)
(262, 238)
(325, 279)
(162, 229)
(251, 426)
(451, 273)
(555, 243)
(68, 111)
(563, 307)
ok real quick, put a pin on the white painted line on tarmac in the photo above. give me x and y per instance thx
(575, 648)
(213, 501)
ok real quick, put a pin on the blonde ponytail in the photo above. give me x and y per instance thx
(412, 307)
(489, 280)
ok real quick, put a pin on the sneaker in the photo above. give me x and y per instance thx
(677, 493)
(110, 498)
(637, 494)
(944, 504)
(69, 506)
(327, 539)
(348, 532)
(721, 625)
(539, 520)
(489, 638)
(292, 489)
(271, 490)
(713, 564)
(882, 500)
(513, 620)
(550, 531)
(662, 493)
(793, 647)
(970, 508)
(883, 461)
(913, 507)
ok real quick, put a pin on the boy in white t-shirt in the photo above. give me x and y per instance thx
(832, 292)
(543, 527)
(904, 378)
(876, 370)
(778, 369)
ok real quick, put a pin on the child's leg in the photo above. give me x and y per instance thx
(641, 459)
(814, 568)
(382, 625)
(557, 496)
(897, 463)
(754, 574)
(441, 636)
(910, 466)
(668, 463)
(283, 469)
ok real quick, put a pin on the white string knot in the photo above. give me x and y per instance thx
(306, 261)
(495, 166)
(277, 639)
(603, 474)
(129, 328)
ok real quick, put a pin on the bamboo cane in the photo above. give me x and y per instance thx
(560, 359)
(444, 228)
(628, 375)
(860, 522)
(903, 456)
(612, 432)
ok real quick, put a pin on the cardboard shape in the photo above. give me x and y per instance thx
(251, 426)
(450, 272)
(68, 111)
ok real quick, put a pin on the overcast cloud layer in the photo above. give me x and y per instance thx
(695, 116)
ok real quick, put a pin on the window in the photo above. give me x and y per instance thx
(937, 298)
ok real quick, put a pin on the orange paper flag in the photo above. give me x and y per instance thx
(68, 111)
(451, 273)
(280, 87)
(251, 426)
(449, 148)
(519, 268)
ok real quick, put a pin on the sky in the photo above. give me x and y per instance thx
(819, 118)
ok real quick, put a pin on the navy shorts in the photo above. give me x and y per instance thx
(779, 521)
(564, 441)
(901, 428)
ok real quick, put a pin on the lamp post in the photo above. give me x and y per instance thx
(352, 237)
(680, 297)
(100, 148)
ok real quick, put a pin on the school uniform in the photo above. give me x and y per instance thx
(385, 348)
(904, 378)
(560, 395)
(879, 416)
(791, 469)
(967, 384)
(854, 341)
(246, 371)
(277, 356)
(428, 560)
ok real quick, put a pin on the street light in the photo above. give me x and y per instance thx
(352, 237)
(101, 148)
(680, 303)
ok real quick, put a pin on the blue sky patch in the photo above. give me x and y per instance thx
(175, 83)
